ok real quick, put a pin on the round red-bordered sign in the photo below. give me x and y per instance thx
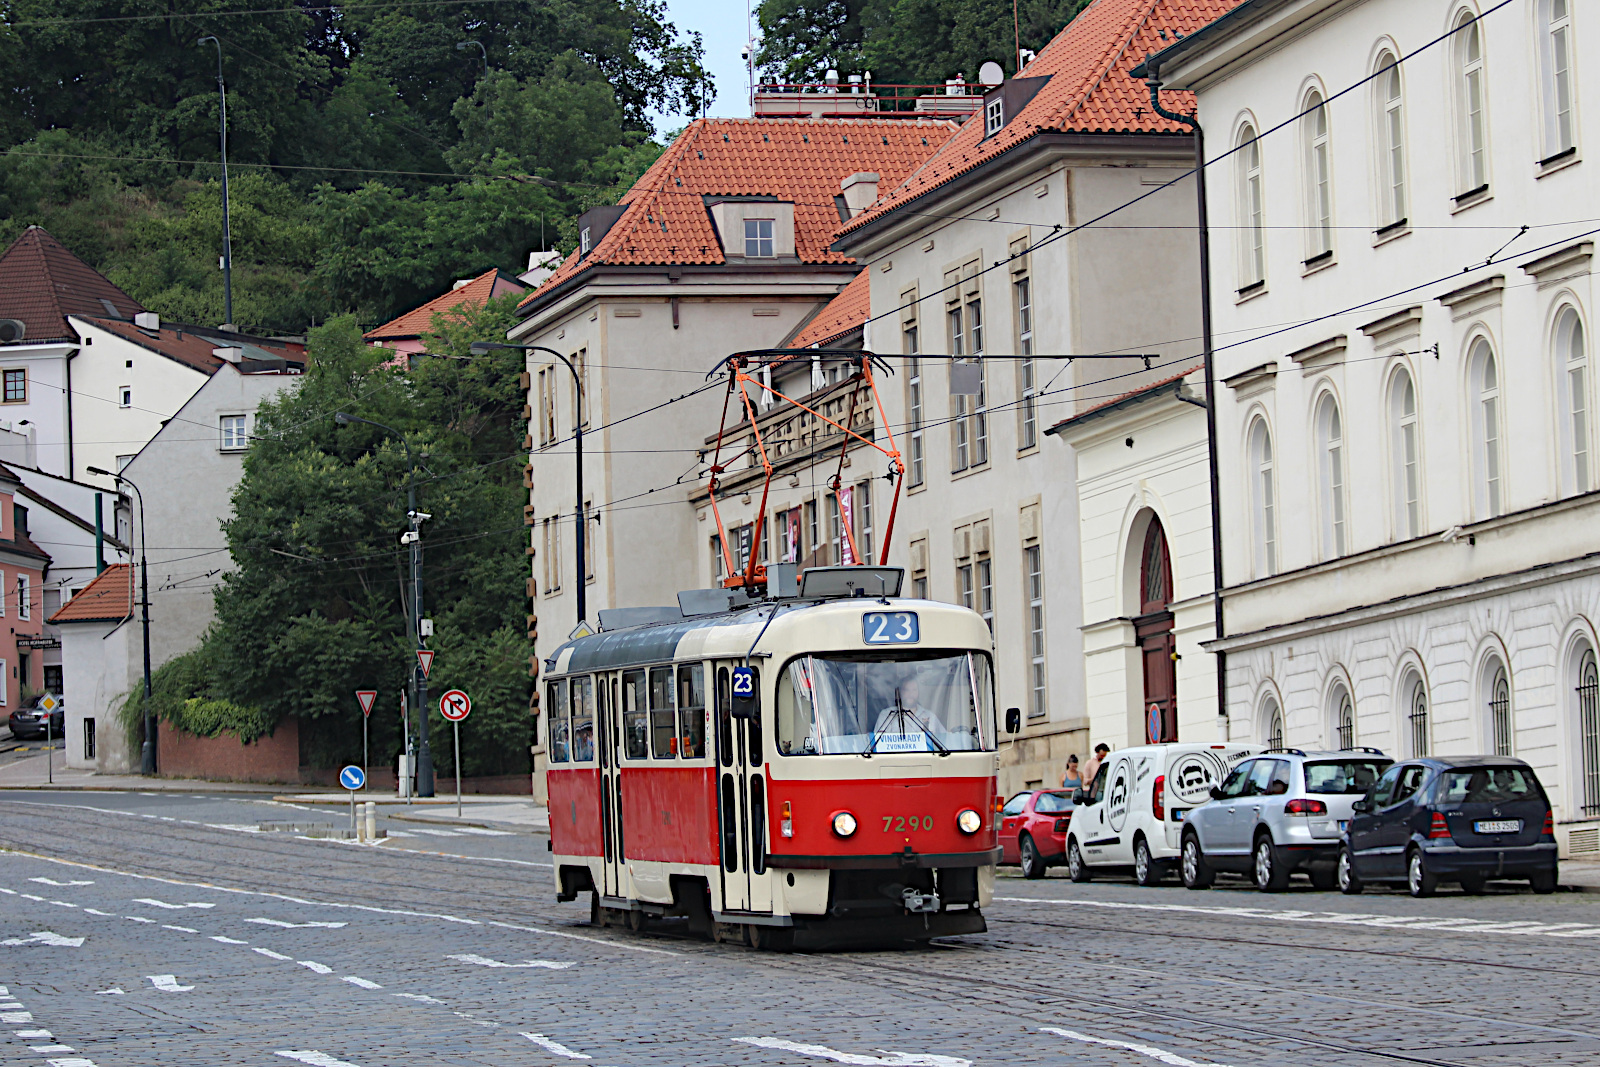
(455, 705)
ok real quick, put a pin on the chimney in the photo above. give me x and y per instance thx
(860, 190)
(147, 320)
(232, 354)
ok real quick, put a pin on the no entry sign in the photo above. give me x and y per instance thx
(454, 705)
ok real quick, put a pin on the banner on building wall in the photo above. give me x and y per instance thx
(846, 524)
(791, 536)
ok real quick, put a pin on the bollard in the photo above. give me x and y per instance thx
(371, 820)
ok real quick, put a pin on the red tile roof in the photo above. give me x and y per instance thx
(843, 314)
(108, 598)
(41, 283)
(193, 348)
(796, 160)
(419, 320)
(1089, 90)
(1123, 398)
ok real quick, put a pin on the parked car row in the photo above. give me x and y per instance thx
(1346, 819)
(33, 722)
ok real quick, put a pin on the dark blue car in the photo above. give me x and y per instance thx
(1457, 819)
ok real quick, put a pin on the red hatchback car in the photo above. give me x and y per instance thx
(1033, 830)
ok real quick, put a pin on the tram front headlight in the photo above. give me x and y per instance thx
(844, 824)
(969, 821)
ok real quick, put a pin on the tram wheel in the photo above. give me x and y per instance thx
(594, 910)
(769, 938)
(636, 921)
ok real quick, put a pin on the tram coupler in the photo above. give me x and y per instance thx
(919, 903)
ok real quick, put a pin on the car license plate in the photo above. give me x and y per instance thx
(1498, 826)
(1344, 824)
(1179, 813)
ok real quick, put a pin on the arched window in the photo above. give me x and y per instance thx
(1587, 693)
(1252, 211)
(1414, 697)
(1319, 178)
(1405, 448)
(1263, 500)
(1343, 713)
(1572, 379)
(1488, 496)
(1330, 474)
(1389, 125)
(1155, 570)
(1556, 60)
(1272, 722)
(1497, 697)
(1470, 107)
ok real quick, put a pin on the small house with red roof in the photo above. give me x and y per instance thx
(405, 332)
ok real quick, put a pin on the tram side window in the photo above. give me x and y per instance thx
(692, 711)
(724, 719)
(559, 750)
(663, 713)
(582, 743)
(635, 719)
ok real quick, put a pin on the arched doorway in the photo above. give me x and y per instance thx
(1153, 630)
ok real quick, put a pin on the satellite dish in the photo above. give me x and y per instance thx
(991, 74)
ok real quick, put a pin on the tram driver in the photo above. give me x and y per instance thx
(906, 720)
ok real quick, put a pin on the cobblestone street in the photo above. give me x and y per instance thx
(142, 929)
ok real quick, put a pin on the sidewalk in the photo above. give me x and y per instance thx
(1581, 875)
(31, 773)
(488, 811)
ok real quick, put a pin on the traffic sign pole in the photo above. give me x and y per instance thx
(455, 706)
(366, 698)
(458, 768)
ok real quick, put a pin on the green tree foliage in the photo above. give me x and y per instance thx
(318, 605)
(903, 42)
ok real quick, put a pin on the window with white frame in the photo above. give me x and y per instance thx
(1272, 722)
(1263, 500)
(1497, 697)
(1389, 126)
(1319, 178)
(1488, 490)
(1344, 716)
(758, 238)
(984, 576)
(124, 396)
(233, 435)
(552, 555)
(1414, 705)
(1559, 130)
(1252, 230)
(970, 417)
(910, 345)
(1586, 697)
(1472, 118)
(1331, 477)
(2, 593)
(1033, 570)
(24, 598)
(1405, 450)
(994, 115)
(1572, 420)
(580, 387)
(1027, 380)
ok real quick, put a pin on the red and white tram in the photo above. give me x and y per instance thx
(812, 771)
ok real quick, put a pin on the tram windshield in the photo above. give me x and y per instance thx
(869, 703)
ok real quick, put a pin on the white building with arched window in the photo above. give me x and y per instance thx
(1403, 311)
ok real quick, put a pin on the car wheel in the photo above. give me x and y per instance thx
(1349, 881)
(1472, 884)
(1272, 874)
(1324, 878)
(1544, 881)
(1197, 874)
(1077, 870)
(1419, 880)
(1145, 869)
(1032, 862)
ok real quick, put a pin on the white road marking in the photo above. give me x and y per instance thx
(320, 968)
(58, 885)
(296, 926)
(1338, 918)
(113, 992)
(174, 907)
(482, 832)
(52, 1048)
(33, 1033)
(95, 911)
(273, 955)
(418, 996)
(31, 896)
(229, 940)
(888, 1059)
(1144, 1050)
(137, 919)
(237, 827)
(45, 937)
(13, 1018)
(556, 1047)
(11, 1005)
(181, 929)
(73, 1062)
(316, 1059)
(401, 833)
(9, 892)
(362, 982)
(436, 833)
(63, 904)
(484, 961)
(168, 983)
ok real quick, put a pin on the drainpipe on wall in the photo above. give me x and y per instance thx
(1153, 80)
(99, 534)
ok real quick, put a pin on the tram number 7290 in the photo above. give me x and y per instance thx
(903, 823)
(890, 628)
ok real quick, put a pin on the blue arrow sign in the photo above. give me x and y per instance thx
(352, 777)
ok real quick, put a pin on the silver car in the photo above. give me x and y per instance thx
(1283, 810)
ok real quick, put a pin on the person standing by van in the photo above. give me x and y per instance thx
(1092, 768)
(1072, 779)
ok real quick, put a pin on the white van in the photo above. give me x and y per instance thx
(1131, 815)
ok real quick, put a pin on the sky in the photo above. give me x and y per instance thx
(722, 24)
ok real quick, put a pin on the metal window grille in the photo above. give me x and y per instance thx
(1275, 727)
(1419, 719)
(1347, 721)
(1500, 712)
(1589, 722)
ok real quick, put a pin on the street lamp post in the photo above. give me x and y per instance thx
(414, 539)
(227, 239)
(480, 347)
(462, 46)
(147, 754)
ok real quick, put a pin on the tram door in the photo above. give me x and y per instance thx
(742, 803)
(610, 749)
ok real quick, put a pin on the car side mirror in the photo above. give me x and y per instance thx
(1216, 793)
(1013, 720)
(1362, 806)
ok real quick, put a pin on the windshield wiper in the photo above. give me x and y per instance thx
(901, 714)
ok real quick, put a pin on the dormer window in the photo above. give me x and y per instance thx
(994, 115)
(583, 241)
(758, 240)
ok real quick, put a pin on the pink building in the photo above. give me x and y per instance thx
(22, 569)
(404, 334)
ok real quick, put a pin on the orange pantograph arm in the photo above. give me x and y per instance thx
(766, 485)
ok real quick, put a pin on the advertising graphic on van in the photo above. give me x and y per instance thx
(1195, 773)
(1117, 795)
